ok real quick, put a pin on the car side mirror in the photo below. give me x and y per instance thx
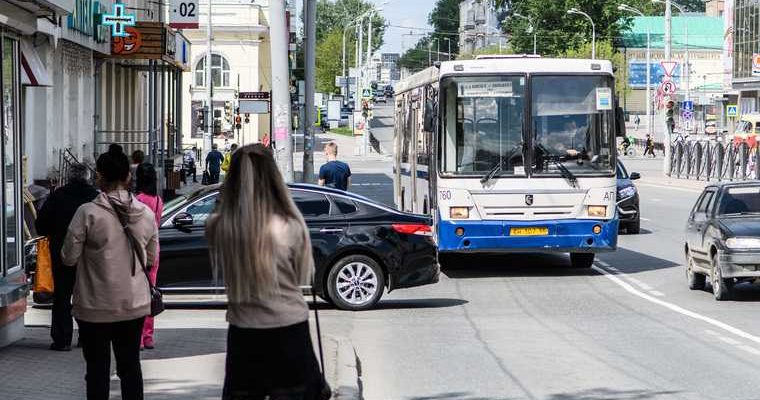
(635, 176)
(182, 219)
(429, 116)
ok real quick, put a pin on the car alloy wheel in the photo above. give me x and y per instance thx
(721, 287)
(355, 283)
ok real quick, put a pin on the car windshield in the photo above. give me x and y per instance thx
(173, 204)
(740, 200)
(484, 125)
(572, 120)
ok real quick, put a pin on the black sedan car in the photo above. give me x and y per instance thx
(360, 247)
(628, 200)
(723, 237)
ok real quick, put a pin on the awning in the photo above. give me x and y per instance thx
(33, 71)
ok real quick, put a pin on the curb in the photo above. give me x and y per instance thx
(347, 385)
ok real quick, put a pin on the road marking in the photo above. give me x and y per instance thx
(732, 342)
(645, 219)
(691, 314)
(749, 349)
(603, 264)
(656, 200)
(639, 283)
(657, 293)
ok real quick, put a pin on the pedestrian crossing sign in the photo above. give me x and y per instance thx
(366, 93)
(732, 110)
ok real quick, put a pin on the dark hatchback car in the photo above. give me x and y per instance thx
(723, 237)
(360, 247)
(628, 208)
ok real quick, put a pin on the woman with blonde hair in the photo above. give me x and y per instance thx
(259, 240)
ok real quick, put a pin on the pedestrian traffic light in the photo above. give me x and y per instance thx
(201, 118)
(669, 116)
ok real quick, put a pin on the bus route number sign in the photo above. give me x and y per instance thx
(184, 14)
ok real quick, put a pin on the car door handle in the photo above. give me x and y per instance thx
(330, 230)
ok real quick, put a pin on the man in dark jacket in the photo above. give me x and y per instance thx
(53, 221)
(214, 164)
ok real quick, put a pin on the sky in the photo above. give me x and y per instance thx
(407, 13)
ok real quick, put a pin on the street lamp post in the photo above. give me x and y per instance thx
(532, 27)
(625, 7)
(593, 29)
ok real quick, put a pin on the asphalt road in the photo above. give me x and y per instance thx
(532, 327)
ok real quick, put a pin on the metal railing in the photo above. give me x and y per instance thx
(711, 160)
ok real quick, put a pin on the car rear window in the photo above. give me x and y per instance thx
(741, 200)
(311, 204)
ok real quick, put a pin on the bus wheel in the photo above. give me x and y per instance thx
(582, 260)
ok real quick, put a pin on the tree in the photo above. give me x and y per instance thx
(330, 60)
(445, 21)
(336, 15)
(605, 50)
(558, 31)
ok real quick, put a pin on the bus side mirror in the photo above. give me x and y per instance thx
(620, 122)
(429, 116)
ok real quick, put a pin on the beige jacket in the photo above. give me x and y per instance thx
(107, 288)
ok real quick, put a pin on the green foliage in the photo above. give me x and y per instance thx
(605, 51)
(445, 21)
(336, 15)
(330, 60)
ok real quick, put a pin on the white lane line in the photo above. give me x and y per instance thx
(603, 264)
(645, 219)
(732, 342)
(657, 293)
(639, 283)
(691, 314)
(749, 349)
(711, 332)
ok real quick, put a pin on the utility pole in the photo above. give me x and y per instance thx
(365, 144)
(668, 49)
(310, 44)
(207, 136)
(281, 134)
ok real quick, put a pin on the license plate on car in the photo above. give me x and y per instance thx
(529, 231)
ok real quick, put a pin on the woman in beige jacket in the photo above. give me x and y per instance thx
(111, 293)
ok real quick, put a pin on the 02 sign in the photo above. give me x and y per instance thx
(184, 14)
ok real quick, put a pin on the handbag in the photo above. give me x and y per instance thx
(156, 297)
(43, 276)
(206, 178)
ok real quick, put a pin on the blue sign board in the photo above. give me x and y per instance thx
(637, 74)
(687, 105)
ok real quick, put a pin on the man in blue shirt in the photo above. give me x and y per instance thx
(334, 173)
(214, 164)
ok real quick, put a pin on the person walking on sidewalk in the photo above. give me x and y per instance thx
(334, 173)
(649, 147)
(260, 242)
(111, 293)
(228, 158)
(147, 193)
(190, 157)
(213, 164)
(53, 221)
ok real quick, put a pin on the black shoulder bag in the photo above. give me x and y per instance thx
(156, 297)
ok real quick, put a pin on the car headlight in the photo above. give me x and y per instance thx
(743, 243)
(459, 212)
(626, 192)
(597, 211)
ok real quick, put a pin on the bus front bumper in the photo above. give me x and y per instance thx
(561, 236)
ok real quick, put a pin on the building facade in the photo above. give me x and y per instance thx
(239, 57)
(746, 54)
(478, 26)
(389, 69)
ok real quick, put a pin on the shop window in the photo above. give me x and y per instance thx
(220, 71)
(10, 172)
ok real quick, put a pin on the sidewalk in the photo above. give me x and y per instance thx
(187, 363)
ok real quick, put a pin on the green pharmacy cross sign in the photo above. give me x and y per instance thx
(118, 21)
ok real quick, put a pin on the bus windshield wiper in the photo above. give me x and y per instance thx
(561, 167)
(498, 168)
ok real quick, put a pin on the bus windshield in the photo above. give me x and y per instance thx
(483, 125)
(572, 119)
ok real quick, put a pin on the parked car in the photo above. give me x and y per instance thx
(723, 237)
(388, 91)
(380, 96)
(628, 208)
(360, 247)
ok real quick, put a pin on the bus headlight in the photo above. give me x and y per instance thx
(597, 211)
(459, 212)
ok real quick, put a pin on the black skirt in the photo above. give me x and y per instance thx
(277, 362)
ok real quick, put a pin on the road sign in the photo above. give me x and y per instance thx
(732, 110)
(340, 81)
(687, 115)
(687, 105)
(669, 67)
(668, 87)
(366, 93)
(184, 14)
(254, 95)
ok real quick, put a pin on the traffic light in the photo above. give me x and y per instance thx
(201, 117)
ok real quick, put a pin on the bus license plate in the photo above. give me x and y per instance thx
(531, 231)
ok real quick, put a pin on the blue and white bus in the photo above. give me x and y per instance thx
(511, 154)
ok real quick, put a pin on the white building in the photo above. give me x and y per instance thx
(240, 57)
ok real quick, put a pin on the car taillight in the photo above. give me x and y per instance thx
(413, 229)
